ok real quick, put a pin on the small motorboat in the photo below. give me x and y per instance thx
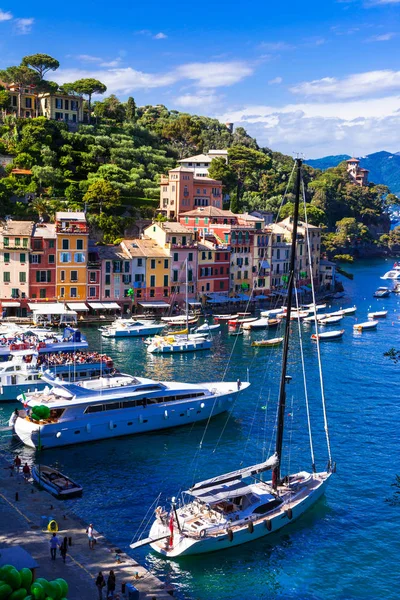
(382, 292)
(235, 332)
(313, 307)
(55, 482)
(396, 289)
(365, 325)
(328, 335)
(378, 314)
(224, 318)
(241, 321)
(348, 311)
(330, 320)
(206, 327)
(272, 343)
(262, 323)
(274, 322)
(272, 313)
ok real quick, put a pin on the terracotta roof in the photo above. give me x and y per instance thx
(352, 160)
(175, 227)
(112, 253)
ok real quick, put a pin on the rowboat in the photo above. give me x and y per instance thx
(349, 311)
(262, 323)
(382, 292)
(273, 322)
(241, 321)
(55, 482)
(234, 332)
(365, 325)
(206, 327)
(328, 335)
(224, 318)
(272, 313)
(313, 307)
(378, 314)
(330, 320)
(273, 342)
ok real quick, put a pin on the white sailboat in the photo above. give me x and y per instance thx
(239, 507)
(173, 344)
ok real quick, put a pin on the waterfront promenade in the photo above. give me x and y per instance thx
(20, 524)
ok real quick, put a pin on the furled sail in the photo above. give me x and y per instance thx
(267, 465)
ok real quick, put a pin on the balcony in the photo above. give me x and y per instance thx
(78, 229)
(190, 245)
(93, 264)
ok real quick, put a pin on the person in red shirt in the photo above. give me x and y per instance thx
(26, 471)
(17, 463)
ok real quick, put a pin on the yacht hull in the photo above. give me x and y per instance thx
(122, 422)
(184, 546)
(135, 332)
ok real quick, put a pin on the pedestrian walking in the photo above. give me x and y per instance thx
(17, 463)
(111, 585)
(26, 471)
(100, 584)
(239, 384)
(54, 544)
(64, 548)
(90, 534)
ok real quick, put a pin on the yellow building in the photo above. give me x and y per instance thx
(72, 234)
(151, 277)
(61, 107)
(28, 100)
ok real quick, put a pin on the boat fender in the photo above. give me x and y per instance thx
(203, 533)
(250, 527)
(52, 526)
(88, 428)
(289, 513)
(268, 524)
(165, 414)
(111, 425)
(230, 535)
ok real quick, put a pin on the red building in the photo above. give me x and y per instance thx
(93, 274)
(42, 262)
(213, 267)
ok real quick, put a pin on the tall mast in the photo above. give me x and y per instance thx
(186, 300)
(276, 475)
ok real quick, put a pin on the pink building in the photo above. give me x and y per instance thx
(182, 191)
(116, 275)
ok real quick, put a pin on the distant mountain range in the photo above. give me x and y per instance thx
(384, 167)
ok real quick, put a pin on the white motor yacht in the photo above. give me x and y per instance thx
(122, 328)
(114, 406)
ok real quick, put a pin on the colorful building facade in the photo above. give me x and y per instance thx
(72, 234)
(42, 262)
(182, 191)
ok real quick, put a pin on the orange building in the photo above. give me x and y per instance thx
(72, 234)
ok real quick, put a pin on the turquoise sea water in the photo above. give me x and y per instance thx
(347, 546)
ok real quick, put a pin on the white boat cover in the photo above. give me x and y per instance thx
(271, 463)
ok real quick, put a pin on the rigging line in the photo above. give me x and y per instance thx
(290, 446)
(286, 191)
(305, 384)
(321, 379)
(142, 522)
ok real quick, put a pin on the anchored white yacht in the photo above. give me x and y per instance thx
(117, 405)
(132, 328)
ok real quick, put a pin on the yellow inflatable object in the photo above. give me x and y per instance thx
(52, 526)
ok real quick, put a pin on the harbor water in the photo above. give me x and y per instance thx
(347, 546)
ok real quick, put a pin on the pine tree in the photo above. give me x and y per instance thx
(130, 109)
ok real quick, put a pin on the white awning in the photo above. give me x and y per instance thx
(48, 308)
(154, 304)
(79, 306)
(111, 304)
(10, 304)
(96, 305)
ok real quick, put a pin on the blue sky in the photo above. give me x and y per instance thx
(319, 78)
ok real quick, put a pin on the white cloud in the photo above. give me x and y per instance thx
(318, 129)
(160, 36)
(112, 63)
(381, 2)
(275, 81)
(88, 58)
(5, 16)
(126, 79)
(384, 37)
(24, 26)
(215, 74)
(357, 85)
(204, 99)
(276, 46)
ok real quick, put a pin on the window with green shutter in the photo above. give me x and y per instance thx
(6, 277)
(22, 257)
(6, 241)
(17, 242)
(22, 277)
(152, 281)
(6, 257)
(25, 242)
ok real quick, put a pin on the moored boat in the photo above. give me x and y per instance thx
(328, 335)
(206, 327)
(262, 323)
(132, 328)
(272, 313)
(55, 482)
(118, 405)
(224, 318)
(330, 320)
(378, 314)
(365, 325)
(271, 343)
(382, 292)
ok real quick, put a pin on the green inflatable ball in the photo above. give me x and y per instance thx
(54, 590)
(18, 594)
(37, 590)
(26, 578)
(5, 590)
(11, 576)
(63, 585)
